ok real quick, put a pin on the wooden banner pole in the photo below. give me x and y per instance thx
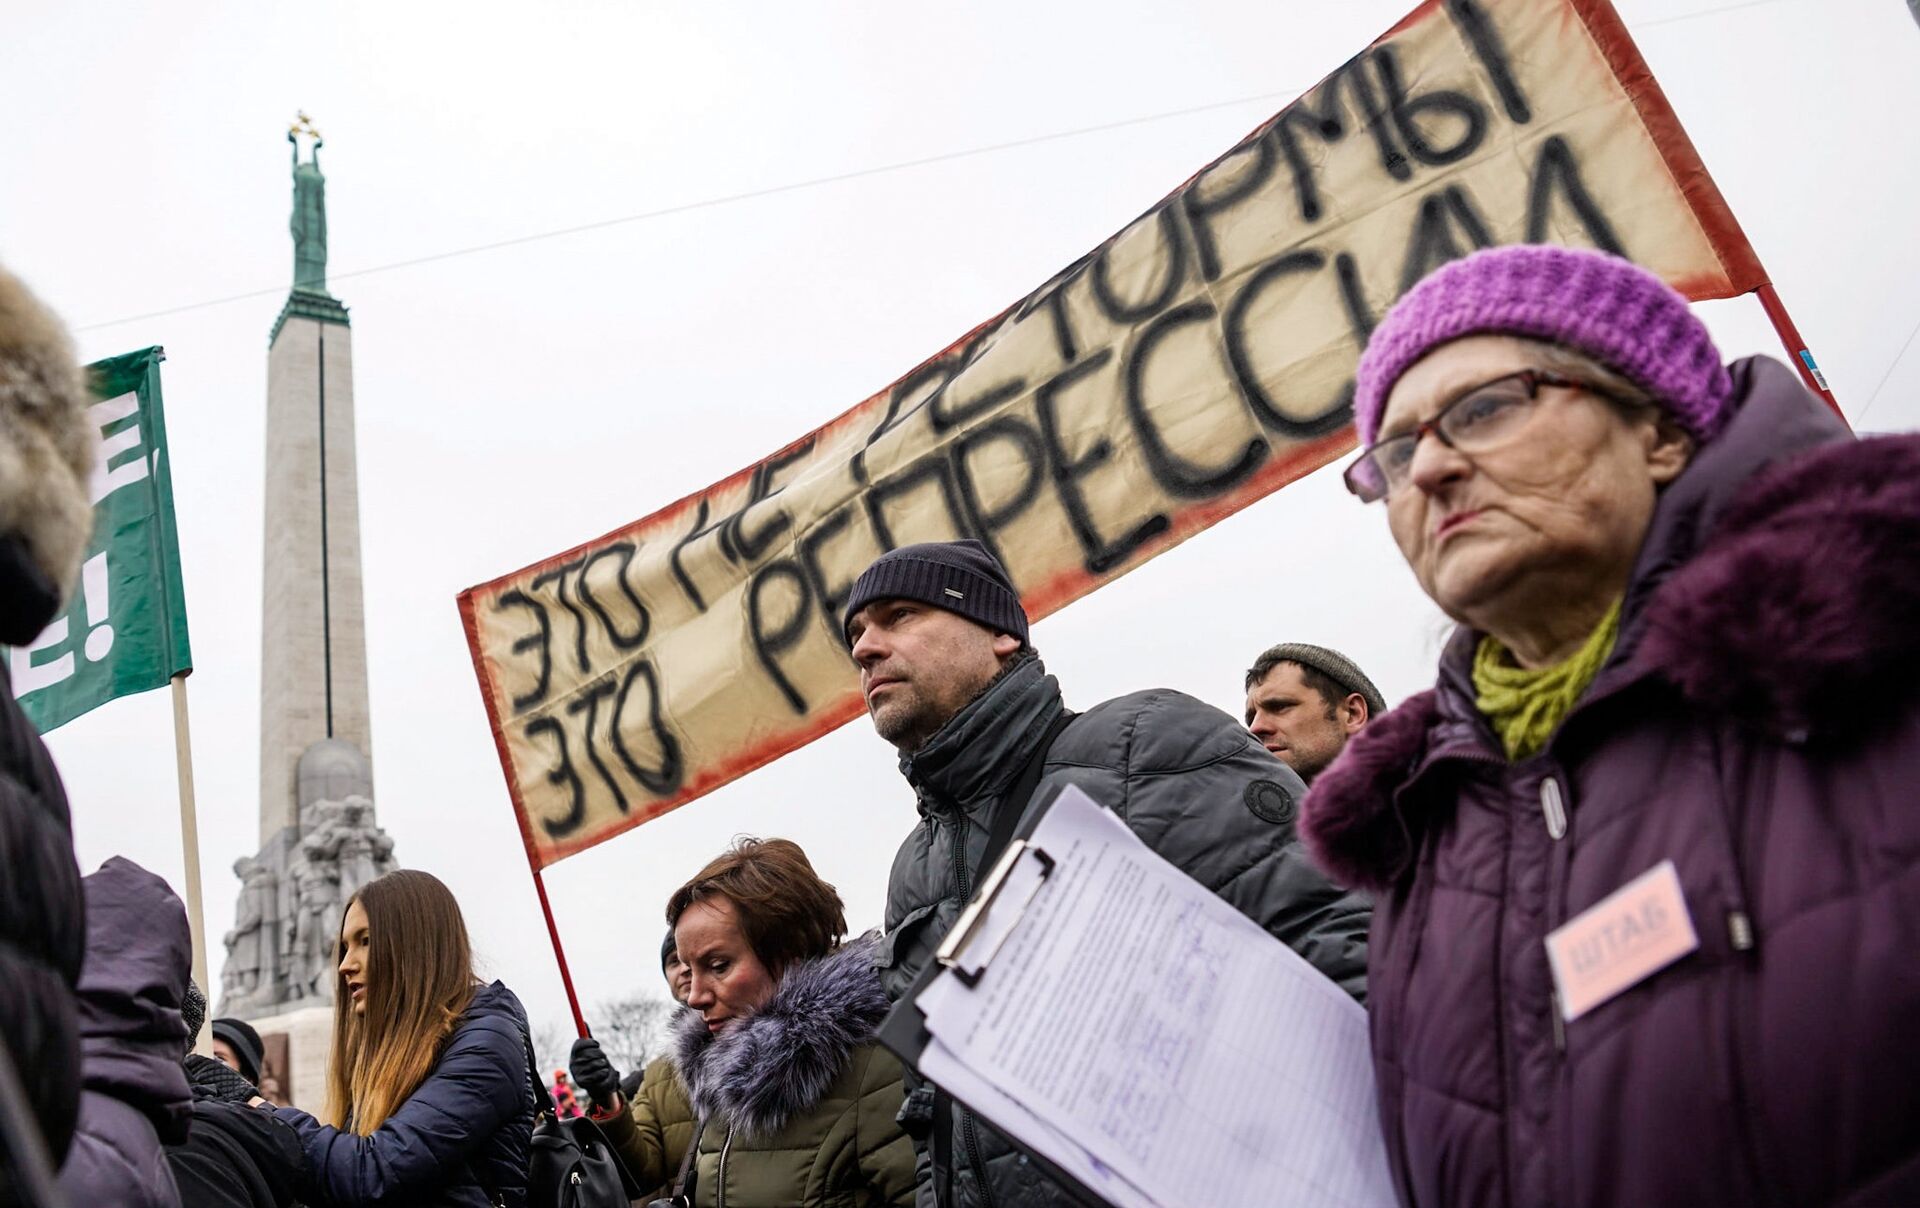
(190, 844)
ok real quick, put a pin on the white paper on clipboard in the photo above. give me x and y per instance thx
(1154, 1042)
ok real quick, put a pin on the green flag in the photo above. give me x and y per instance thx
(125, 629)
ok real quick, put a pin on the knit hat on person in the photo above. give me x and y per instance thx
(193, 1012)
(666, 950)
(1335, 666)
(1612, 310)
(958, 576)
(245, 1043)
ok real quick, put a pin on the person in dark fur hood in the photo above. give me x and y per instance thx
(47, 448)
(1646, 858)
(795, 1099)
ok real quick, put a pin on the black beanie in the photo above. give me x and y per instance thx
(958, 576)
(666, 950)
(245, 1043)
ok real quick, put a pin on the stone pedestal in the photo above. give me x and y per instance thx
(309, 1033)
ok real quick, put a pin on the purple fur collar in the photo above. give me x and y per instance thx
(780, 1061)
(1798, 617)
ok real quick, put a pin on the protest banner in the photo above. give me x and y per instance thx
(125, 628)
(1190, 365)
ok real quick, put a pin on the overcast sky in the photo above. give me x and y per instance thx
(517, 401)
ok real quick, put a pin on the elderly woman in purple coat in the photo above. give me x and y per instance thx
(1647, 855)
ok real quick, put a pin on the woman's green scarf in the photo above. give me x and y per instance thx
(1523, 706)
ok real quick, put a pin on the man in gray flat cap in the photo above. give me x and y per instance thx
(1304, 703)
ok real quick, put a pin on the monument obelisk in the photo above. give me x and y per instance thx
(319, 841)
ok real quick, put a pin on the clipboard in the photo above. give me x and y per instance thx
(1084, 948)
(904, 1031)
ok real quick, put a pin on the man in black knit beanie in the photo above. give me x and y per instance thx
(952, 681)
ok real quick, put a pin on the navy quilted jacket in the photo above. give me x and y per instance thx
(457, 1142)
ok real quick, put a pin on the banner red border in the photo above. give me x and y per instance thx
(1729, 243)
(1737, 258)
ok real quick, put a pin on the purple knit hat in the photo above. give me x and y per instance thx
(1611, 309)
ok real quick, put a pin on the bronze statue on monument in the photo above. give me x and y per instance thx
(309, 222)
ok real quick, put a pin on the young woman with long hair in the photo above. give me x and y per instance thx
(428, 1097)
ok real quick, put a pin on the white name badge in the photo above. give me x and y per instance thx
(1620, 941)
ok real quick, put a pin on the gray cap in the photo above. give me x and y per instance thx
(1330, 663)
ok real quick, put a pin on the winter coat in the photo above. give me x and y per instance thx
(1758, 724)
(652, 1130)
(43, 935)
(47, 448)
(135, 1096)
(457, 1141)
(799, 1100)
(237, 1156)
(1191, 782)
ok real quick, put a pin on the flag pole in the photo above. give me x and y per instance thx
(559, 953)
(190, 843)
(1796, 347)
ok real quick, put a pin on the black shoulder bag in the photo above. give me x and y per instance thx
(1005, 821)
(569, 1163)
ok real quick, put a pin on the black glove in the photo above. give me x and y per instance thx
(210, 1079)
(592, 1072)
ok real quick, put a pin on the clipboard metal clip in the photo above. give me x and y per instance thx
(979, 911)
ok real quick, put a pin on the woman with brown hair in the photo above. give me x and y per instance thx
(775, 1048)
(428, 1097)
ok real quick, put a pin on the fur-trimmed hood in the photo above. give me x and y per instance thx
(46, 455)
(780, 1061)
(1778, 587)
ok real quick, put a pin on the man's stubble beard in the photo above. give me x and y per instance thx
(913, 729)
(1321, 764)
(906, 729)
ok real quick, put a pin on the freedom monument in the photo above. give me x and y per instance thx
(319, 840)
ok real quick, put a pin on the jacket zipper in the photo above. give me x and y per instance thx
(720, 1181)
(974, 1159)
(1473, 755)
(961, 875)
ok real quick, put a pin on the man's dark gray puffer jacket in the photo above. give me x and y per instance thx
(1187, 778)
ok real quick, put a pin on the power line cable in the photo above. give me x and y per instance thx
(1705, 12)
(810, 183)
(710, 202)
(1887, 376)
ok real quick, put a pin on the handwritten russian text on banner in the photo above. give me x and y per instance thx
(125, 627)
(1193, 363)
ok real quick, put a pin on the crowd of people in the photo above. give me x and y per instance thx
(1686, 645)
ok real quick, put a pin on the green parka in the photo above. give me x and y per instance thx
(651, 1133)
(799, 1100)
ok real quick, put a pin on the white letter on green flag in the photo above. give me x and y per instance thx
(125, 627)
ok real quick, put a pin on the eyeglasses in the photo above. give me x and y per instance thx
(1478, 420)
